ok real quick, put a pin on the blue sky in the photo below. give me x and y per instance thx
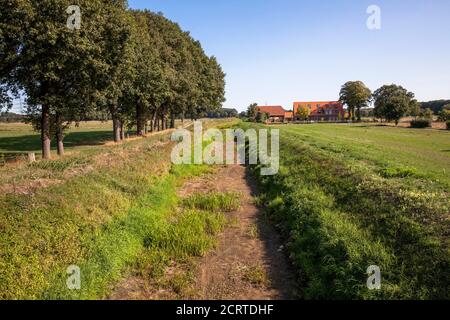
(280, 51)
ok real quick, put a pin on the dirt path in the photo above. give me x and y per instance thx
(248, 263)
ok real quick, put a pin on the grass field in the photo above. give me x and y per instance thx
(415, 152)
(21, 138)
(351, 196)
(106, 209)
(346, 197)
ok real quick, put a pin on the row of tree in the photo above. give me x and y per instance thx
(391, 102)
(223, 113)
(102, 58)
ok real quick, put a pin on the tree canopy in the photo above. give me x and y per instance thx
(356, 96)
(137, 66)
(392, 102)
(435, 105)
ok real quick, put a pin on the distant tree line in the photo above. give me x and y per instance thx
(11, 117)
(391, 103)
(223, 113)
(134, 67)
(436, 106)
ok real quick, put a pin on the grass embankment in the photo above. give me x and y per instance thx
(343, 203)
(105, 219)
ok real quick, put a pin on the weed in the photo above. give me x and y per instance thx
(256, 275)
(253, 232)
(216, 201)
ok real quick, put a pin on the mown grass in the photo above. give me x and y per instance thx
(102, 220)
(20, 137)
(420, 153)
(341, 211)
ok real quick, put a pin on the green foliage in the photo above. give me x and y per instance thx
(224, 113)
(421, 123)
(252, 111)
(436, 105)
(303, 114)
(444, 115)
(426, 114)
(135, 65)
(356, 96)
(448, 124)
(262, 117)
(392, 102)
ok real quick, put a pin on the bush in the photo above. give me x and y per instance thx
(444, 115)
(448, 124)
(421, 123)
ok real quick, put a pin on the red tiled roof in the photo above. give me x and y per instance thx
(273, 111)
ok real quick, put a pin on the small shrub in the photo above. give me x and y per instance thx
(448, 124)
(421, 123)
(444, 115)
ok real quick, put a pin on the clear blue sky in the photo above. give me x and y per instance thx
(280, 51)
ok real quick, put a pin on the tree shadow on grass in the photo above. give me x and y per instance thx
(32, 143)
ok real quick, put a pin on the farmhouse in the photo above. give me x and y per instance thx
(276, 113)
(321, 110)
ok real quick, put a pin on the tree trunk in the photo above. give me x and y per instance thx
(122, 131)
(172, 120)
(59, 135)
(358, 114)
(116, 129)
(163, 121)
(139, 120)
(59, 138)
(152, 122)
(45, 132)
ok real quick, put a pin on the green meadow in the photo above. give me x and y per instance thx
(21, 138)
(388, 150)
(352, 196)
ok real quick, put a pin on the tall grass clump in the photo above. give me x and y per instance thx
(215, 201)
